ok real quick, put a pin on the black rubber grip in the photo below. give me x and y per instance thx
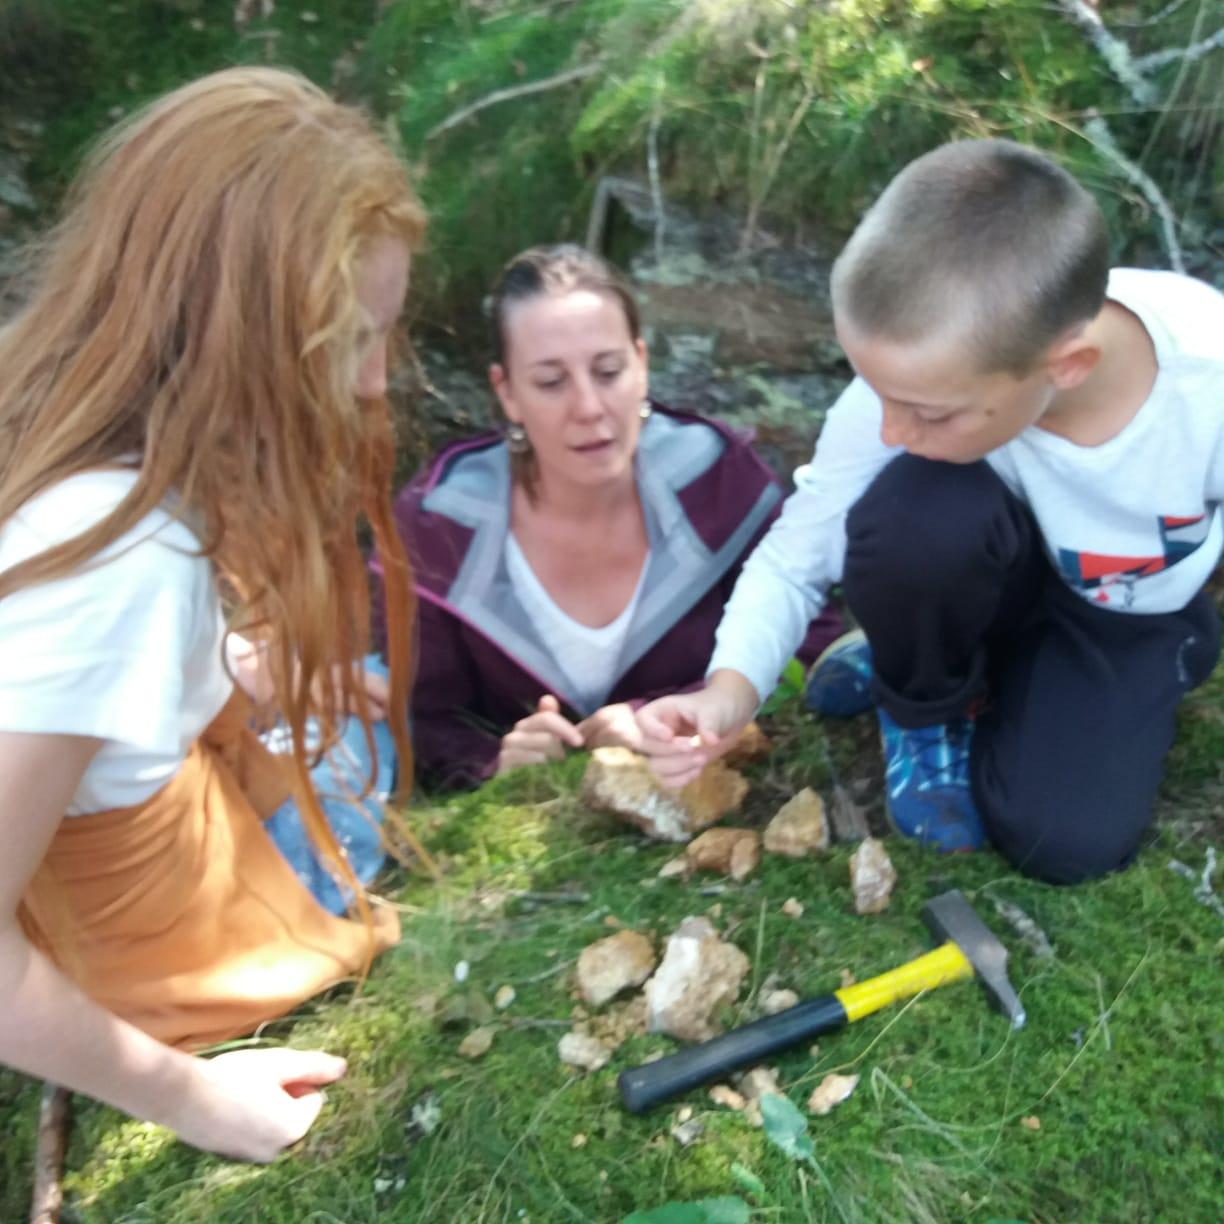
(645, 1086)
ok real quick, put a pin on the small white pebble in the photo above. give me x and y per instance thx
(462, 969)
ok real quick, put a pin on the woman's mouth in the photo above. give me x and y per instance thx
(593, 448)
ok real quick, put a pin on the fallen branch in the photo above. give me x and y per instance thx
(1204, 889)
(1195, 51)
(54, 1115)
(514, 91)
(1115, 53)
(1097, 130)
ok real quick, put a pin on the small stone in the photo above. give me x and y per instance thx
(684, 1113)
(462, 969)
(799, 828)
(831, 1092)
(699, 974)
(504, 997)
(620, 781)
(814, 1051)
(754, 1084)
(724, 1094)
(478, 1042)
(847, 978)
(753, 745)
(674, 867)
(847, 817)
(611, 965)
(620, 1022)
(1031, 1122)
(776, 1001)
(579, 1050)
(872, 876)
(792, 907)
(578, 1141)
(733, 852)
(687, 1133)
(612, 922)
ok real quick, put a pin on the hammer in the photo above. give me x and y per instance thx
(968, 947)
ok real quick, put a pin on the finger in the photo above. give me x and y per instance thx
(671, 770)
(679, 747)
(539, 744)
(661, 722)
(302, 1113)
(548, 704)
(306, 1066)
(679, 780)
(552, 724)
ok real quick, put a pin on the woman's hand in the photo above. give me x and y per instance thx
(611, 726)
(542, 736)
(252, 1104)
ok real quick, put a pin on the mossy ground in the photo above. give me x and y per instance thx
(1122, 1061)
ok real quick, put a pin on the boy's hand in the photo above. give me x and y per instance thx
(683, 733)
(611, 726)
(252, 1104)
(542, 736)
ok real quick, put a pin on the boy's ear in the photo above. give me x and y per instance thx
(1070, 360)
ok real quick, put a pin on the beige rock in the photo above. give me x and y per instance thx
(611, 965)
(674, 867)
(620, 781)
(734, 852)
(800, 827)
(698, 975)
(504, 997)
(478, 1042)
(872, 876)
(831, 1092)
(755, 1084)
(620, 1022)
(579, 1050)
(753, 745)
(579, 1140)
(792, 907)
(724, 1094)
(775, 1001)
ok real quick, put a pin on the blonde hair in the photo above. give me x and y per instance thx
(984, 240)
(195, 314)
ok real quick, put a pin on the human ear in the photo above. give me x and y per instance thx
(1071, 360)
(501, 388)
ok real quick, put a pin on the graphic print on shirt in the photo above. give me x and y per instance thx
(1099, 572)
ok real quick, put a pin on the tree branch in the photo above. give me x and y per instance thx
(514, 91)
(1195, 51)
(1115, 53)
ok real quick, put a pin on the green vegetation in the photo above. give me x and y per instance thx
(1122, 1063)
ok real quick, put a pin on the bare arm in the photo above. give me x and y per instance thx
(239, 1106)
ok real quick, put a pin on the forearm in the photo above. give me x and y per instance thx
(52, 1030)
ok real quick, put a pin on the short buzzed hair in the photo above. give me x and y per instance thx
(986, 240)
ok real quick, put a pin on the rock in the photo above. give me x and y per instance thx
(831, 1092)
(792, 907)
(872, 876)
(848, 818)
(698, 975)
(755, 1084)
(579, 1050)
(800, 827)
(753, 745)
(615, 1026)
(733, 852)
(620, 781)
(478, 1042)
(724, 1094)
(677, 866)
(687, 1133)
(579, 1140)
(504, 997)
(776, 1001)
(611, 965)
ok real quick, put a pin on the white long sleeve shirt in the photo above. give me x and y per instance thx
(1133, 525)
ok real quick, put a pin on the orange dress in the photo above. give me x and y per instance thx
(180, 914)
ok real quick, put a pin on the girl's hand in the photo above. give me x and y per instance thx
(252, 1104)
(611, 726)
(542, 736)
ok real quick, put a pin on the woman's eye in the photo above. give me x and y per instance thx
(609, 375)
(549, 384)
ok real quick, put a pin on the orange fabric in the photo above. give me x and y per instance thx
(180, 914)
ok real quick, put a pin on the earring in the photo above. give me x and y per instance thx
(517, 439)
(645, 410)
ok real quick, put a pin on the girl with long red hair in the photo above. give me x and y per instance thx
(193, 426)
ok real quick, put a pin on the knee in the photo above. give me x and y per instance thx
(1065, 847)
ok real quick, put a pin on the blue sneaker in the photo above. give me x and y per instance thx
(839, 682)
(926, 781)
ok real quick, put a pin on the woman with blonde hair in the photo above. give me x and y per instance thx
(192, 419)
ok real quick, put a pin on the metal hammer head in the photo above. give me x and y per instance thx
(950, 917)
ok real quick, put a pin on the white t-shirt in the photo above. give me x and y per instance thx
(1132, 525)
(128, 650)
(588, 657)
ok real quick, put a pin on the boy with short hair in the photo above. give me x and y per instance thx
(1019, 493)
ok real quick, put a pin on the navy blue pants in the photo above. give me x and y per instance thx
(1075, 705)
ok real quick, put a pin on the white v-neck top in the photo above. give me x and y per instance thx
(588, 657)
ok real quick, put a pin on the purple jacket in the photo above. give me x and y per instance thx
(481, 665)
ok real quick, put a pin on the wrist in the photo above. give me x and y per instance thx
(736, 690)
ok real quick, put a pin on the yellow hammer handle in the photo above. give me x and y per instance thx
(946, 964)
